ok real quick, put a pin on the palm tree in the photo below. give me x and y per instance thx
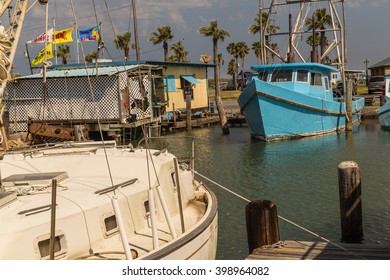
(322, 20)
(275, 48)
(232, 69)
(267, 28)
(316, 41)
(233, 51)
(179, 53)
(242, 50)
(63, 51)
(256, 48)
(162, 35)
(217, 35)
(122, 42)
(91, 56)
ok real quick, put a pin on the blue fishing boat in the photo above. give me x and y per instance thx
(294, 100)
(384, 110)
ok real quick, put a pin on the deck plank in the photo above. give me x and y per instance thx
(304, 250)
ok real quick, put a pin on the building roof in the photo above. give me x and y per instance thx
(385, 62)
(81, 72)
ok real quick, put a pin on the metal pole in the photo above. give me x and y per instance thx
(53, 218)
(135, 31)
(366, 62)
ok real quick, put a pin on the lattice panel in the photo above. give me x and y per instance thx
(71, 99)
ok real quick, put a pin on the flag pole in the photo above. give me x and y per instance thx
(55, 45)
(77, 42)
(29, 60)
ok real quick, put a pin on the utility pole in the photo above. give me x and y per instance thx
(366, 62)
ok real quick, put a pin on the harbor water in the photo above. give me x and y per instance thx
(299, 176)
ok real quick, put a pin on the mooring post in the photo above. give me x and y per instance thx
(261, 224)
(350, 202)
(188, 110)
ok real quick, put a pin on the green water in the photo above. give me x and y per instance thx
(300, 176)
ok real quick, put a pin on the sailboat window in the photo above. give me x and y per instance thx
(302, 76)
(315, 79)
(59, 247)
(263, 76)
(110, 223)
(282, 76)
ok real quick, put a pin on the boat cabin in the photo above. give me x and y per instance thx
(307, 78)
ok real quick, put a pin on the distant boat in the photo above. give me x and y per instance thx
(294, 100)
(149, 207)
(384, 110)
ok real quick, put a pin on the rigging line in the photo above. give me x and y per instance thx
(94, 101)
(284, 219)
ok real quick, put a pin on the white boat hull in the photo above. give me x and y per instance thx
(86, 224)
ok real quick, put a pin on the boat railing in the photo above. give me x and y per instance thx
(184, 156)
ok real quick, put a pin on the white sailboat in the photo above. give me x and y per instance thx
(110, 203)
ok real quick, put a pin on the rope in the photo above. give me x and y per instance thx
(284, 219)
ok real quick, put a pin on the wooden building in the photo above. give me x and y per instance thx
(381, 68)
(121, 96)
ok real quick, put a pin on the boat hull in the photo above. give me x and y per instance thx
(95, 211)
(275, 113)
(384, 116)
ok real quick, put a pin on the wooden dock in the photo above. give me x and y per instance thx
(304, 250)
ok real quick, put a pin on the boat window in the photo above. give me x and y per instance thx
(326, 83)
(315, 79)
(263, 76)
(110, 224)
(282, 76)
(59, 247)
(302, 76)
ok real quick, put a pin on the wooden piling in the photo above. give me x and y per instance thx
(350, 202)
(261, 224)
(188, 108)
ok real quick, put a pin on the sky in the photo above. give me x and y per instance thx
(367, 29)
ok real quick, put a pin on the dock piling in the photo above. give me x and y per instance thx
(350, 202)
(261, 224)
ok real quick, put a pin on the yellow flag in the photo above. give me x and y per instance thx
(63, 36)
(41, 55)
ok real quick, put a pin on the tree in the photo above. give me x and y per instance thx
(162, 35)
(242, 50)
(256, 48)
(322, 20)
(179, 53)
(91, 56)
(122, 42)
(233, 51)
(63, 51)
(232, 69)
(217, 35)
(267, 29)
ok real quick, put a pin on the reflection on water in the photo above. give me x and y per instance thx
(299, 176)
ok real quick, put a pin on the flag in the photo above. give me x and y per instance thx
(41, 55)
(90, 34)
(63, 36)
(41, 38)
